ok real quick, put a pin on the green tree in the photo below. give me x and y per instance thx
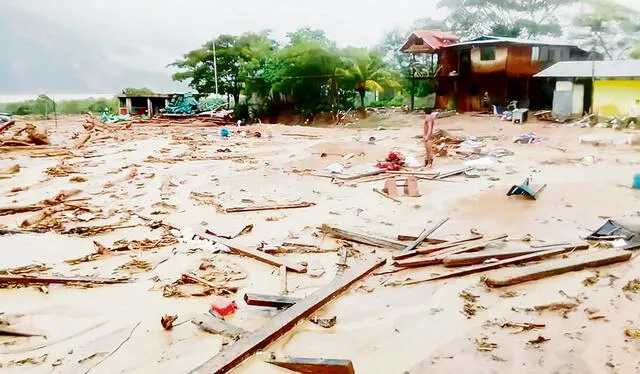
(137, 91)
(511, 18)
(237, 58)
(608, 28)
(366, 70)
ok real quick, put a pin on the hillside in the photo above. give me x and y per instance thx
(40, 57)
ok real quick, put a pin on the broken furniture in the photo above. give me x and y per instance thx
(612, 230)
(527, 189)
(409, 185)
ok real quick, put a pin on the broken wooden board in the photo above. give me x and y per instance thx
(437, 258)
(352, 173)
(49, 279)
(453, 172)
(558, 266)
(424, 235)
(388, 196)
(362, 238)
(279, 325)
(466, 259)
(495, 265)
(260, 256)
(255, 208)
(434, 248)
(218, 326)
(270, 301)
(313, 365)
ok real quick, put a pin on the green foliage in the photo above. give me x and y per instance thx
(137, 91)
(607, 28)
(44, 106)
(510, 18)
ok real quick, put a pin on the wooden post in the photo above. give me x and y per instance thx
(128, 104)
(149, 107)
(413, 81)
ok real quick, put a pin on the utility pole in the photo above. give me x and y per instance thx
(215, 66)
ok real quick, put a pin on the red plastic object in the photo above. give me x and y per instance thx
(223, 306)
(124, 111)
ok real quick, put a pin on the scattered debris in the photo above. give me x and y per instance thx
(526, 189)
(632, 333)
(326, 322)
(313, 365)
(484, 345)
(539, 340)
(167, 321)
(269, 207)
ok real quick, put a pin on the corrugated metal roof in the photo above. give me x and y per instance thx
(434, 39)
(584, 69)
(488, 39)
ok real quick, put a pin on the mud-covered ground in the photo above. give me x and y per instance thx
(382, 329)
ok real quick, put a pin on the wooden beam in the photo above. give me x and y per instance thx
(49, 279)
(437, 258)
(424, 235)
(495, 265)
(559, 266)
(279, 325)
(314, 365)
(253, 253)
(255, 208)
(362, 238)
(270, 301)
(434, 248)
(466, 259)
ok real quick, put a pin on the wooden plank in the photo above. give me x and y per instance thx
(437, 258)
(218, 326)
(453, 172)
(386, 195)
(260, 256)
(314, 365)
(255, 208)
(279, 325)
(410, 238)
(434, 248)
(270, 301)
(424, 235)
(558, 266)
(495, 265)
(283, 280)
(466, 259)
(362, 238)
(49, 279)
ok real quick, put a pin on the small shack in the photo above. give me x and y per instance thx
(608, 88)
(143, 104)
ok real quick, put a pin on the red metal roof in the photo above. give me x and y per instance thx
(433, 39)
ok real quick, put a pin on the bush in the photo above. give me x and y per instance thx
(43, 105)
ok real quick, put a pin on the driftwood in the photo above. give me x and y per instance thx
(478, 258)
(424, 235)
(362, 238)
(195, 279)
(218, 326)
(280, 324)
(60, 198)
(434, 248)
(82, 140)
(559, 266)
(255, 208)
(49, 279)
(313, 365)
(498, 264)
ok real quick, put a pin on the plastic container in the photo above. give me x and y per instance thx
(223, 306)
(636, 181)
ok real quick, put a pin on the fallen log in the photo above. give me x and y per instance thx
(279, 325)
(495, 265)
(260, 256)
(218, 326)
(255, 208)
(424, 235)
(434, 248)
(437, 258)
(466, 259)
(558, 266)
(313, 365)
(55, 279)
(362, 238)
(270, 301)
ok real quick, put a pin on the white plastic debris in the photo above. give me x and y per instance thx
(483, 163)
(411, 162)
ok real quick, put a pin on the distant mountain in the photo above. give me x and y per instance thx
(37, 56)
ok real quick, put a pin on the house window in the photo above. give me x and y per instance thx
(535, 54)
(488, 53)
(552, 54)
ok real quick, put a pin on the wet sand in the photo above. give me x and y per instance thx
(404, 329)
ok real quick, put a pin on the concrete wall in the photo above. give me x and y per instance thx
(615, 97)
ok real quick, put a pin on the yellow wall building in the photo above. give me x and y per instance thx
(615, 97)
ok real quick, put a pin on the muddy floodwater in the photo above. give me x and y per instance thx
(183, 176)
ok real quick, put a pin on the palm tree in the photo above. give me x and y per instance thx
(367, 70)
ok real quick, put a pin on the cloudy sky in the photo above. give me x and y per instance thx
(178, 25)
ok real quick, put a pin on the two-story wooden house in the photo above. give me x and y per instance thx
(503, 67)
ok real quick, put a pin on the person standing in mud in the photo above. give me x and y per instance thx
(429, 124)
